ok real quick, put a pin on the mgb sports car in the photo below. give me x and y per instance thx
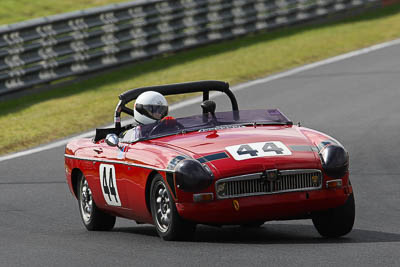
(235, 167)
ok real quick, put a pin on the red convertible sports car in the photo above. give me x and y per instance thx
(237, 167)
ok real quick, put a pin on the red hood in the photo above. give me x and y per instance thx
(207, 143)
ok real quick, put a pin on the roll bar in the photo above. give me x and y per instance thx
(173, 89)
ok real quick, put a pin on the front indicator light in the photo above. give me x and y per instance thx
(334, 184)
(203, 197)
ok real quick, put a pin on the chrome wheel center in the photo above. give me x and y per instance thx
(86, 201)
(163, 209)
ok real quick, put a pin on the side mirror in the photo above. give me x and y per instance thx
(112, 140)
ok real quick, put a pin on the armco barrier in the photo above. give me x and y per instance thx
(50, 48)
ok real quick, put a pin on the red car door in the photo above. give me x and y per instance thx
(109, 182)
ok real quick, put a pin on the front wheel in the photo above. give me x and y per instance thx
(93, 218)
(170, 226)
(337, 221)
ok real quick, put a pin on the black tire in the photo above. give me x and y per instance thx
(170, 226)
(93, 218)
(336, 222)
(256, 224)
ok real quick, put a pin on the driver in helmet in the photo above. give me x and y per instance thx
(150, 107)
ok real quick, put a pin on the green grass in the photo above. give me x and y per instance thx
(12, 11)
(50, 115)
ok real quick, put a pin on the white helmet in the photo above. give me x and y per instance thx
(149, 107)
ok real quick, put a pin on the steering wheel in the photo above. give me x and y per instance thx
(168, 123)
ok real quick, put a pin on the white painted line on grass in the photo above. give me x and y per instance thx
(44, 147)
(234, 88)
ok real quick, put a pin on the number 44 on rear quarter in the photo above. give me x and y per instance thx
(219, 167)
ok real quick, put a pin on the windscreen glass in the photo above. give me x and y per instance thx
(206, 122)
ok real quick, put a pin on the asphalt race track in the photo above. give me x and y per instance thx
(355, 100)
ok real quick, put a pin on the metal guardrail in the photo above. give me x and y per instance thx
(50, 48)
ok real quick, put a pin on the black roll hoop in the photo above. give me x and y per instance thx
(174, 89)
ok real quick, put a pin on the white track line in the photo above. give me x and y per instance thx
(235, 88)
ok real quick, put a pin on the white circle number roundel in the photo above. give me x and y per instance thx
(256, 150)
(109, 184)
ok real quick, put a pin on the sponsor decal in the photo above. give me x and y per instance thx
(222, 127)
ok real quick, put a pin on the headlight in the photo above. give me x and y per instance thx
(335, 160)
(192, 176)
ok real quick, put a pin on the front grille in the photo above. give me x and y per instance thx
(255, 184)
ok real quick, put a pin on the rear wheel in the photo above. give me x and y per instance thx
(169, 225)
(337, 221)
(93, 218)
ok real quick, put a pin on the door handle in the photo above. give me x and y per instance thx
(98, 150)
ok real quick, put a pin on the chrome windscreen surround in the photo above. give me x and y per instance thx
(255, 184)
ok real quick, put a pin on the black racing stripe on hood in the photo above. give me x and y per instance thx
(212, 157)
(302, 148)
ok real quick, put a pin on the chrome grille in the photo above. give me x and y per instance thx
(254, 184)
